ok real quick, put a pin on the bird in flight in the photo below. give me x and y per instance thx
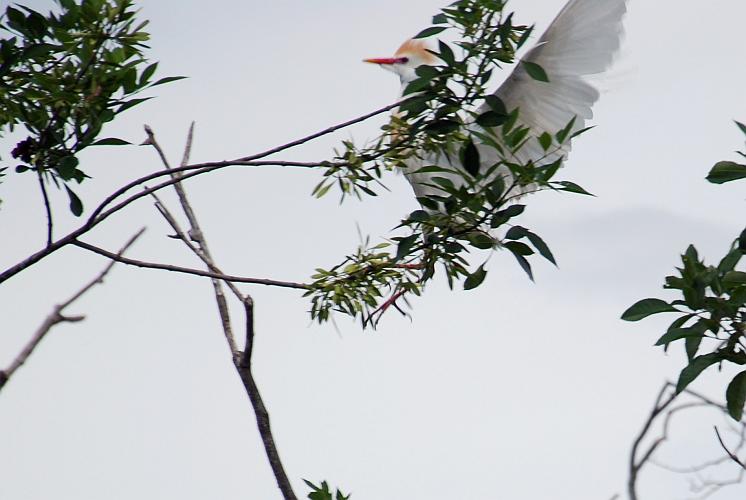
(582, 40)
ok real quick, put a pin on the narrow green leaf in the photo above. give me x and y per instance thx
(695, 368)
(571, 187)
(434, 30)
(168, 79)
(646, 307)
(563, 134)
(741, 126)
(735, 395)
(677, 334)
(76, 206)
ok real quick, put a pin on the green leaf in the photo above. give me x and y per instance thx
(111, 141)
(741, 126)
(496, 104)
(545, 141)
(66, 167)
(726, 171)
(647, 307)
(695, 368)
(535, 71)
(168, 79)
(76, 206)
(442, 127)
(571, 187)
(405, 245)
(504, 216)
(434, 30)
(445, 53)
(563, 134)
(734, 278)
(679, 333)
(440, 19)
(147, 74)
(735, 395)
(470, 158)
(481, 241)
(475, 279)
(525, 265)
(491, 118)
(542, 247)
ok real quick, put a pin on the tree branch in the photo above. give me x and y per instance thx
(730, 453)
(98, 215)
(242, 361)
(56, 317)
(187, 270)
(47, 207)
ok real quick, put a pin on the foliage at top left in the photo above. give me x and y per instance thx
(63, 76)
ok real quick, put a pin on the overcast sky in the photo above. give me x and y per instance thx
(517, 390)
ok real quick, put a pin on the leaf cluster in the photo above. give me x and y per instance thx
(63, 76)
(712, 307)
(448, 117)
(323, 492)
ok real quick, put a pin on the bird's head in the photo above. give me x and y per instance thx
(411, 55)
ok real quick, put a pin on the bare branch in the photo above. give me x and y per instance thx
(47, 207)
(242, 361)
(98, 215)
(730, 453)
(186, 270)
(203, 251)
(56, 317)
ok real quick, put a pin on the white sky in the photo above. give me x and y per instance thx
(515, 390)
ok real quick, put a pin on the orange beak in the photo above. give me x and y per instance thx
(385, 60)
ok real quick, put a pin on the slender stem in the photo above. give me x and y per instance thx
(242, 361)
(186, 270)
(56, 317)
(47, 207)
(205, 168)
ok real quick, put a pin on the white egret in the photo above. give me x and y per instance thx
(582, 40)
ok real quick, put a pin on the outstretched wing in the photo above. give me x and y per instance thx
(582, 40)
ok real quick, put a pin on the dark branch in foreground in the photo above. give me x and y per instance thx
(196, 241)
(57, 316)
(99, 215)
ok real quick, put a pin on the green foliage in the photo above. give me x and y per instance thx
(323, 492)
(63, 76)
(467, 207)
(712, 307)
(727, 171)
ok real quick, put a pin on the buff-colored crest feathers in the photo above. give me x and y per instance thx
(416, 48)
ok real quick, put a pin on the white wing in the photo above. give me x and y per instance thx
(582, 40)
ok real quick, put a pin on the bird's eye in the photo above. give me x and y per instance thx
(404, 60)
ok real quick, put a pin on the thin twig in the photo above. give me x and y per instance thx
(187, 270)
(242, 361)
(203, 252)
(47, 208)
(98, 216)
(57, 316)
(730, 453)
